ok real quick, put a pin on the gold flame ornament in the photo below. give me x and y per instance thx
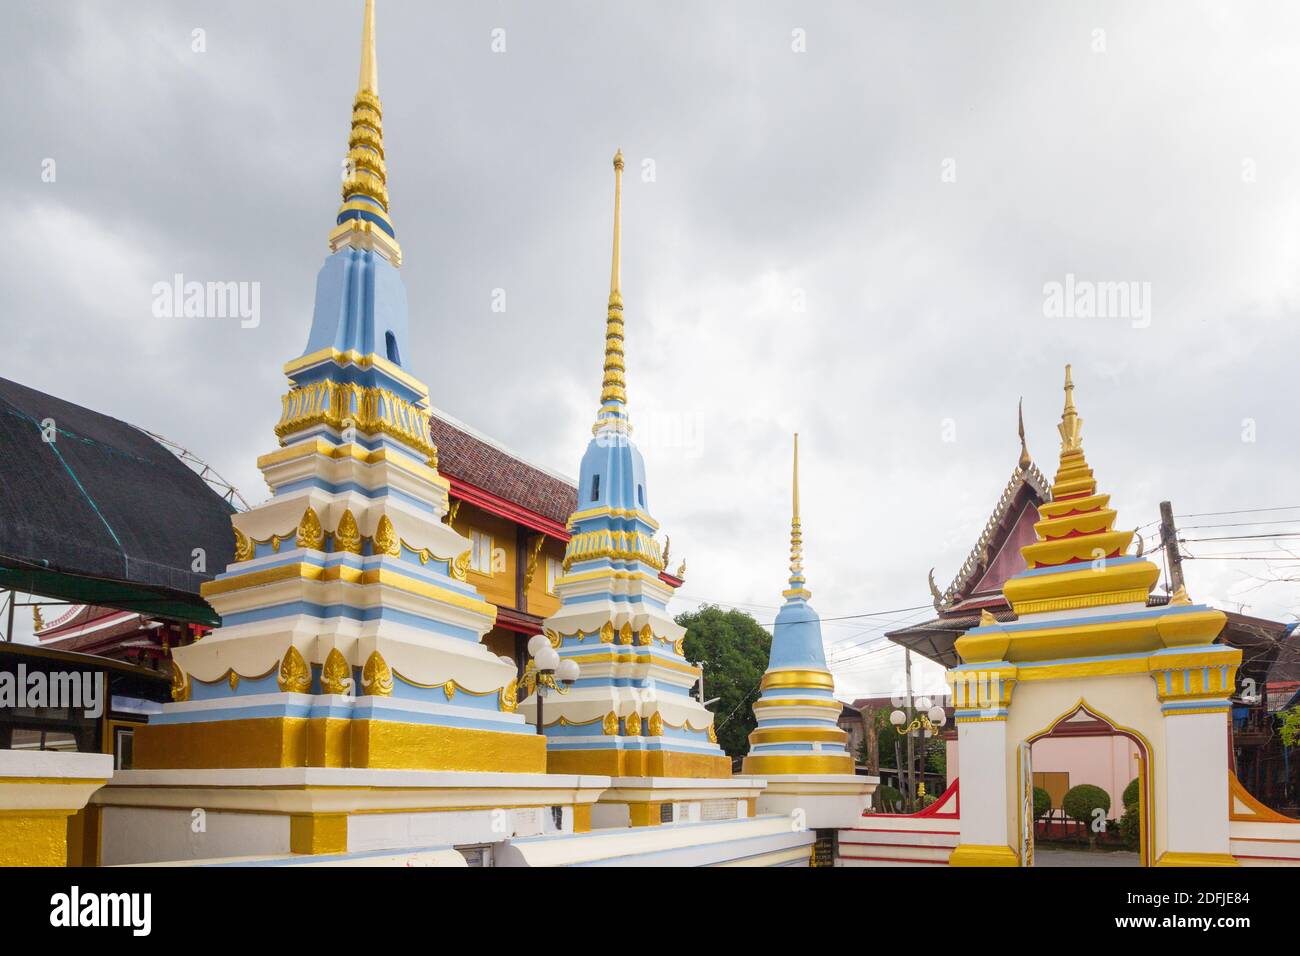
(607, 633)
(180, 683)
(632, 723)
(508, 699)
(645, 636)
(656, 725)
(385, 539)
(348, 535)
(243, 547)
(625, 633)
(336, 675)
(610, 724)
(310, 533)
(376, 677)
(295, 675)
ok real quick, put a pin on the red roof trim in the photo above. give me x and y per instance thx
(494, 504)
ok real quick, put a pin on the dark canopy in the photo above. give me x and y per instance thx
(102, 513)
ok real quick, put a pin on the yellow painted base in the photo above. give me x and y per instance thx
(634, 763)
(34, 838)
(1196, 859)
(644, 814)
(975, 854)
(330, 742)
(582, 818)
(813, 763)
(318, 833)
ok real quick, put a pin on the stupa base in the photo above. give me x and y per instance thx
(151, 816)
(821, 801)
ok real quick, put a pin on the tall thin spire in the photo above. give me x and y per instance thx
(363, 219)
(369, 79)
(797, 579)
(613, 387)
(1071, 426)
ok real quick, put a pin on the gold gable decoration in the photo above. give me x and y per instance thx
(385, 540)
(348, 536)
(376, 676)
(336, 675)
(310, 533)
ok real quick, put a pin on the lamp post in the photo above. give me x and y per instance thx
(546, 670)
(925, 724)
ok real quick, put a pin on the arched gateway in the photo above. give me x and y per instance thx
(1085, 646)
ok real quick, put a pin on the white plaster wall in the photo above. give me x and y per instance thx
(985, 786)
(150, 835)
(1197, 813)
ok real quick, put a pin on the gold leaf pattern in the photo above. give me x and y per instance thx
(610, 724)
(295, 675)
(625, 633)
(509, 698)
(607, 633)
(310, 533)
(632, 723)
(645, 636)
(554, 638)
(460, 567)
(243, 547)
(180, 683)
(336, 675)
(376, 677)
(656, 727)
(348, 535)
(385, 539)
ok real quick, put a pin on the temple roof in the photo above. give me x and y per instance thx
(103, 510)
(466, 456)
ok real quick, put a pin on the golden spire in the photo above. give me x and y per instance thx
(363, 220)
(369, 79)
(613, 388)
(1025, 460)
(797, 579)
(1071, 426)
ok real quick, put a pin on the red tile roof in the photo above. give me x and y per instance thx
(476, 461)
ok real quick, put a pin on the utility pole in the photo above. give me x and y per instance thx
(1169, 539)
(911, 748)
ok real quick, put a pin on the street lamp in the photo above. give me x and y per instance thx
(927, 724)
(546, 670)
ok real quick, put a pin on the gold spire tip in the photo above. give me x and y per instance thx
(613, 386)
(369, 79)
(1025, 460)
(1071, 426)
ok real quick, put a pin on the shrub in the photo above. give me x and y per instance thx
(1081, 803)
(888, 799)
(1130, 827)
(1042, 803)
(1131, 792)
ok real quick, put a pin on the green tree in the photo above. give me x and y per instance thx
(732, 648)
(1290, 731)
(1082, 804)
(1042, 802)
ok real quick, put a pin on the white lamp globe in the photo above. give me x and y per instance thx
(897, 718)
(567, 671)
(923, 703)
(938, 716)
(536, 643)
(547, 659)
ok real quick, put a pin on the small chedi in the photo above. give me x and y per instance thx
(798, 746)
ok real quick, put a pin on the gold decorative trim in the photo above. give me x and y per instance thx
(310, 533)
(625, 633)
(797, 678)
(180, 683)
(645, 636)
(385, 540)
(367, 408)
(295, 675)
(336, 675)
(610, 724)
(632, 724)
(607, 633)
(508, 700)
(348, 536)
(615, 545)
(243, 547)
(376, 676)
(655, 727)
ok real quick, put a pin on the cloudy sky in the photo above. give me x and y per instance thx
(839, 218)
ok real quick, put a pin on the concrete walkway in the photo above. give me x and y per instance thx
(1054, 857)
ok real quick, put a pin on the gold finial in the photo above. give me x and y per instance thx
(1071, 426)
(1025, 460)
(369, 79)
(797, 579)
(986, 618)
(37, 622)
(363, 218)
(613, 387)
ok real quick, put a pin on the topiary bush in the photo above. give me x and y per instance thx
(1130, 827)
(1081, 803)
(1042, 803)
(1131, 792)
